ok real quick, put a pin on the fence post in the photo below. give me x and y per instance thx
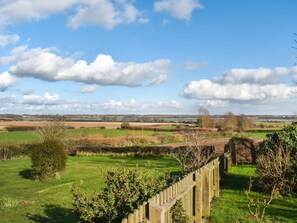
(198, 196)
(157, 214)
(206, 192)
(217, 177)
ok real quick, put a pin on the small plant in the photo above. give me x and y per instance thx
(257, 207)
(178, 213)
(6, 202)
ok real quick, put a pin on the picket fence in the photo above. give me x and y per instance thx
(196, 191)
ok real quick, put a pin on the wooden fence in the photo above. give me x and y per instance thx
(196, 191)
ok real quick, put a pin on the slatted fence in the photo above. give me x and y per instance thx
(196, 191)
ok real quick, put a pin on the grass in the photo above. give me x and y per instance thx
(232, 205)
(24, 200)
(29, 137)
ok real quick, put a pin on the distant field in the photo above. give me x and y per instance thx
(27, 137)
(51, 201)
(108, 125)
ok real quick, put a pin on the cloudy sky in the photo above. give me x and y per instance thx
(148, 57)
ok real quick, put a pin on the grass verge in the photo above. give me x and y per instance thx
(23, 200)
(232, 205)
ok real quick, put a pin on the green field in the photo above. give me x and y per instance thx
(28, 137)
(232, 205)
(34, 201)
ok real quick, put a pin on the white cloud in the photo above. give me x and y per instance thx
(46, 65)
(244, 86)
(8, 39)
(19, 10)
(180, 9)
(6, 81)
(159, 80)
(46, 99)
(88, 88)
(191, 65)
(105, 13)
(259, 75)
(52, 103)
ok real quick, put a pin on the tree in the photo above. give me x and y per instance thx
(230, 121)
(204, 120)
(193, 155)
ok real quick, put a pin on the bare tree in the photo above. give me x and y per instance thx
(194, 155)
(204, 120)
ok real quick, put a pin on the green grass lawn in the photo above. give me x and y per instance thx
(28, 137)
(232, 205)
(34, 201)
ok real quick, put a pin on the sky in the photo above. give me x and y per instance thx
(148, 56)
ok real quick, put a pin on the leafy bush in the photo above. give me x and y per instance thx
(178, 213)
(277, 160)
(126, 190)
(125, 125)
(48, 158)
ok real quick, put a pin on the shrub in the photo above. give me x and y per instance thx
(48, 158)
(178, 213)
(277, 160)
(125, 125)
(126, 190)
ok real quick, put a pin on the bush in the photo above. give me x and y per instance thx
(126, 190)
(178, 213)
(125, 125)
(48, 158)
(277, 161)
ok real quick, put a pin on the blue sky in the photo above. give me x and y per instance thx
(148, 57)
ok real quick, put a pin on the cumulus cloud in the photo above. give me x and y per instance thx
(88, 88)
(191, 65)
(8, 39)
(177, 8)
(46, 99)
(105, 13)
(44, 64)
(244, 85)
(6, 81)
(260, 75)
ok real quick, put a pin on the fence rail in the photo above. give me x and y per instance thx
(196, 191)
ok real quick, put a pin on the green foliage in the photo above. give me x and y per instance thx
(178, 213)
(126, 190)
(48, 158)
(282, 147)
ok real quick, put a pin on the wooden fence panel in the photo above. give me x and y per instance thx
(196, 191)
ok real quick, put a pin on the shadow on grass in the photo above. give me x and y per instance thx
(236, 182)
(26, 174)
(54, 214)
(241, 183)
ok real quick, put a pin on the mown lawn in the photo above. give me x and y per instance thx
(34, 201)
(29, 137)
(232, 205)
